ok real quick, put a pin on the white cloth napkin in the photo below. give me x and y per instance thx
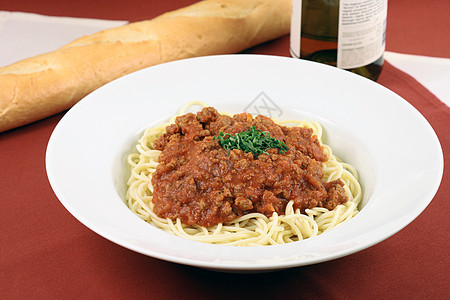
(431, 72)
(25, 34)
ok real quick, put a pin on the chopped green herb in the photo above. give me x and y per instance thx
(253, 140)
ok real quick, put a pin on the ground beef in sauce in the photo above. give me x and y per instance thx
(201, 183)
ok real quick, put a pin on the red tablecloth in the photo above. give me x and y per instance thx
(47, 253)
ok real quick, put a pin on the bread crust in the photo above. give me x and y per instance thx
(40, 86)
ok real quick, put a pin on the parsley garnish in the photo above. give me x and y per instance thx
(253, 140)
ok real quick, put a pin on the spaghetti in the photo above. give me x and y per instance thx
(252, 229)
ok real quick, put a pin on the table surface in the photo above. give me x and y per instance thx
(46, 253)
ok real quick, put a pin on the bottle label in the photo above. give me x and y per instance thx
(296, 25)
(361, 32)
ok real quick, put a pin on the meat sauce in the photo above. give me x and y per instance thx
(201, 183)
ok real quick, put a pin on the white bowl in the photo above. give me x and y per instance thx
(394, 149)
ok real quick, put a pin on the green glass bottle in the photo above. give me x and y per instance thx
(348, 34)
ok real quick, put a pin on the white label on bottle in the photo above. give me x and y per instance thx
(361, 33)
(296, 24)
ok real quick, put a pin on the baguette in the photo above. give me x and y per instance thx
(41, 86)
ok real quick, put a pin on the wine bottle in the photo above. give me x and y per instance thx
(348, 34)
